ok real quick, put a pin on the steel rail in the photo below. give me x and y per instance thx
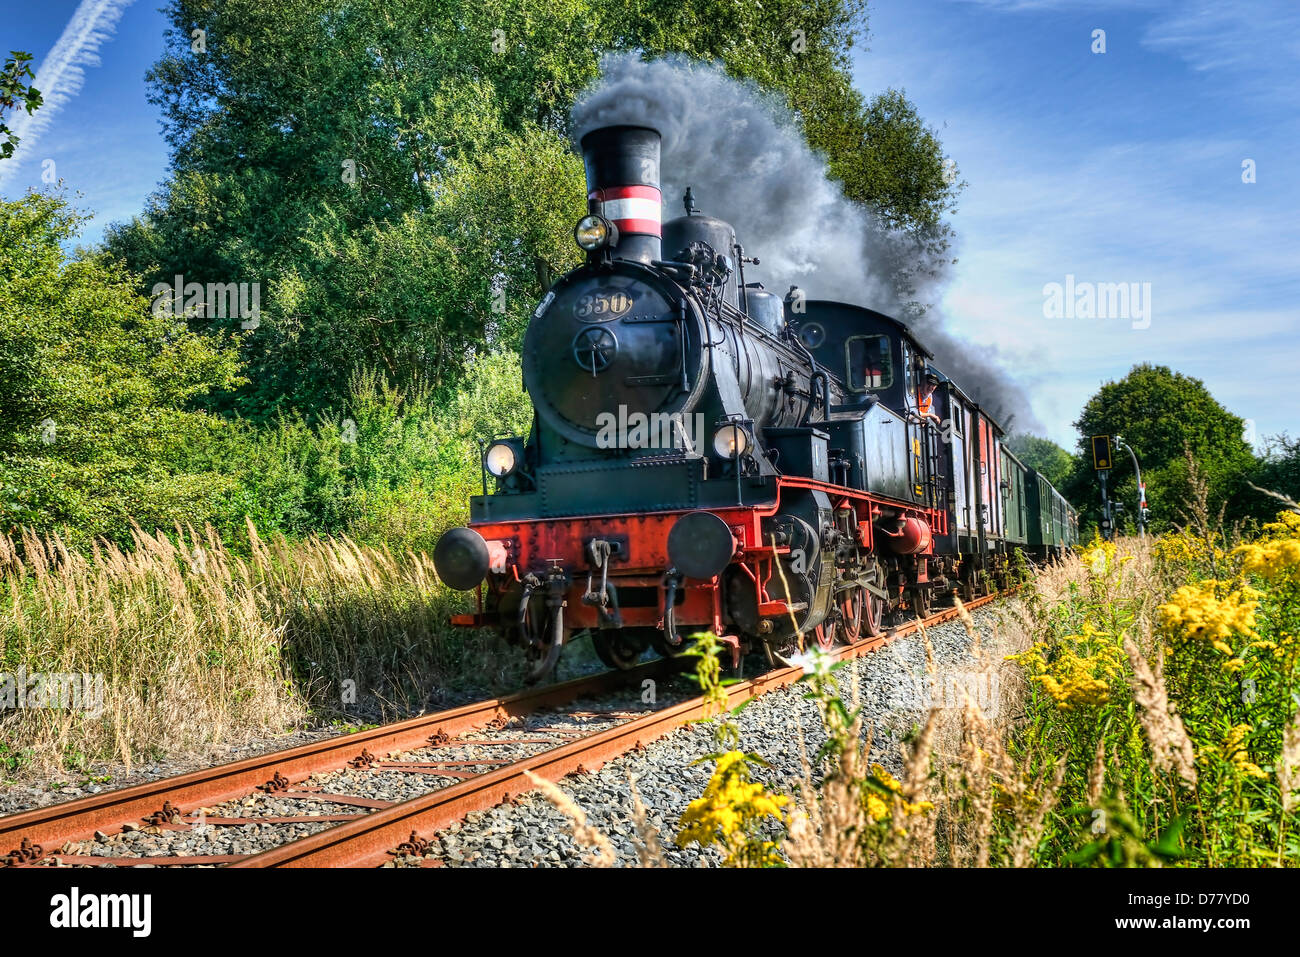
(370, 840)
(79, 819)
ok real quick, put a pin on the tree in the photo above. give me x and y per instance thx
(1160, 413)
(396, 174)
(1278, 471)
(1042, 455)
(13, 92)
(93, 387)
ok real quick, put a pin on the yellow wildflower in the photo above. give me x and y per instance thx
(730, 812)
(1234, 751)
(877, 809)
(1098, 555)
(1276, 561)
(1196, 613)
(885, 778)
(1080, 673)
(1183, 550)
(1286, 526)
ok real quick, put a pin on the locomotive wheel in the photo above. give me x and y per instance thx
(782, 652)
(873, 614)
(851, 610)
(542, 661)
(920, 600)
(661, 646)
(616, 649)
(545, 655)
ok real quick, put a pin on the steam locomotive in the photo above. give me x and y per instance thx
(706, 454)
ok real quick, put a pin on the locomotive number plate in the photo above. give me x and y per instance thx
(603, 305)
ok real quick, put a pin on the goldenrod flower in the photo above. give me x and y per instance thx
(1080, 673)
(1195, 613)
(1235, 752)
(730, 812)
(1275, 561)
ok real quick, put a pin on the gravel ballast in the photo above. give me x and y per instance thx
(781, 726)
(535, 833)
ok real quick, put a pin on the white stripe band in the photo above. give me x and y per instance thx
(634, 208)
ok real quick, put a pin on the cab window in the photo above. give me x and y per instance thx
(871, 363)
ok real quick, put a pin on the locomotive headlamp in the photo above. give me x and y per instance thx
(500, 459)
(731, 441)
(594, 232)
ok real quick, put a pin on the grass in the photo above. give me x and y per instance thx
(199, 643)
(1148, 696)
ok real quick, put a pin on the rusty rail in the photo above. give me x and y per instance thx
(368, 841)
(53, 826)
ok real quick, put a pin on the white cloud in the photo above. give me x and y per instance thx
(62, 72)
(1261, 38)
(1111, 190)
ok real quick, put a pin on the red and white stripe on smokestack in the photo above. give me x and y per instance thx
(633, 209)
(622, 165)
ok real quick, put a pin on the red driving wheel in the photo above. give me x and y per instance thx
(872, 614)
(851, 615)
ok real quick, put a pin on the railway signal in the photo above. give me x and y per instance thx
(1101, 458)
(1101, 461)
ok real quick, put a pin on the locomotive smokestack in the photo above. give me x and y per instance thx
(623, 186)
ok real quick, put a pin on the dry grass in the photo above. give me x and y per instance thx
(200, 645)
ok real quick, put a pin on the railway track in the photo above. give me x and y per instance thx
(319, 800)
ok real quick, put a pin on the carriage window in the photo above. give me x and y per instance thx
(870, 362)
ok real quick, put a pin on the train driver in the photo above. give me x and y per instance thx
(925, 397)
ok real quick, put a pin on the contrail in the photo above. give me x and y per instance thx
(63, 71)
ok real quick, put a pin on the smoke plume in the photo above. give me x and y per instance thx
(741, 151)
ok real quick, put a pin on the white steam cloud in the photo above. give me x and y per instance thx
(742, 153)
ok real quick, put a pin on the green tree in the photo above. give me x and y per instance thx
(1278, 471)
(1042, 455)
(1160, 413)
(397, 177)
(93, 387)
(14, 92)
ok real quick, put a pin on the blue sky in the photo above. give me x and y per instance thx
(1122, 166)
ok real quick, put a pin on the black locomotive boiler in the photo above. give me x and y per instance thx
(707, 455)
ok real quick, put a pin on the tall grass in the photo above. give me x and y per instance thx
(202, 643)
(1148, 714)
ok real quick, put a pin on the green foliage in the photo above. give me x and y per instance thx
(96, 429)
(1278, 471)
(402, 190)
(93, 430)
(1166, 682)
(13, 92)
(1042, 455)
(1161, 414)
(879, 149)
